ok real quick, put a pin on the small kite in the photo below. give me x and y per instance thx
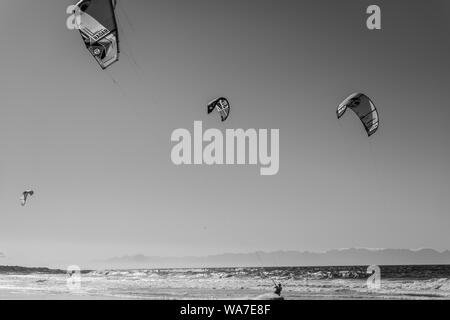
(364, 108)
(222, 106)
(25, 195)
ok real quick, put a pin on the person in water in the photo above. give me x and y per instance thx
(278, 289)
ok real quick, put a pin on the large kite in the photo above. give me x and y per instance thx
(96, 21)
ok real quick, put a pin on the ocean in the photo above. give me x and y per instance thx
(396, 282)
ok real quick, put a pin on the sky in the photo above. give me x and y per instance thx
(95, 145)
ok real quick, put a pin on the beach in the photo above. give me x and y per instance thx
(229, 284)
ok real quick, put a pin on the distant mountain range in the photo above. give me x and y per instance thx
(340, 257)
(29, 270)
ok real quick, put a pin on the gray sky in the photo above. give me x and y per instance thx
(97, 152)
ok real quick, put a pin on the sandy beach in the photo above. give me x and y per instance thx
(425, 282)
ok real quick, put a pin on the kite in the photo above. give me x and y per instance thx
(364, 108)
(222, 106)
(96, 21)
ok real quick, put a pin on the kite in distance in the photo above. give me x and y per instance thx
(222, 106)
(25, 195)
(364, 108)
(96, 21)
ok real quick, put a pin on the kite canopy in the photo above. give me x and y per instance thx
(97, 23)
(364, 108)
(25, 195)
(222, 106)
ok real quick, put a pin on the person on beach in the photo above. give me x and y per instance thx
(278, 289)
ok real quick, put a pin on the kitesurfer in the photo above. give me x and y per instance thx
(278, 289)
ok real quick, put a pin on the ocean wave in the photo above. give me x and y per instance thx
(200, 283)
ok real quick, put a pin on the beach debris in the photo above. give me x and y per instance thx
(41, 281)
